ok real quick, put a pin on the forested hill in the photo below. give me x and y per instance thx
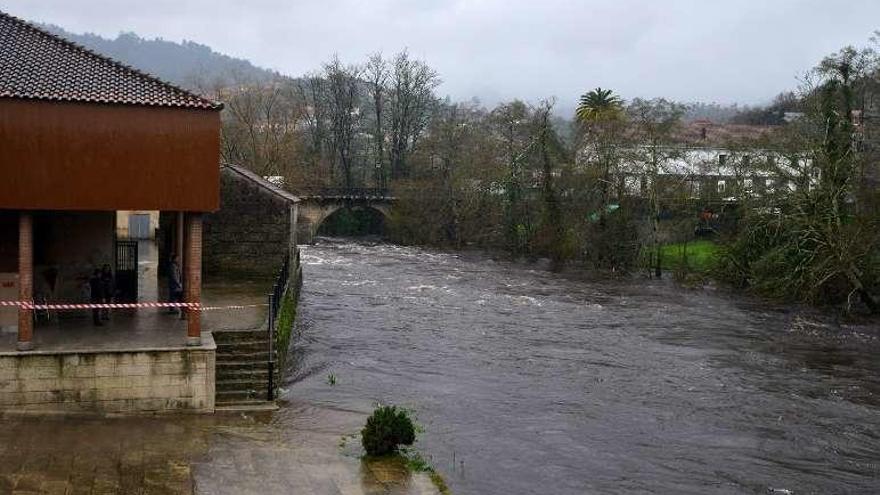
(186, 64)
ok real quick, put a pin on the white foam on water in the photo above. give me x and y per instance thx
(357, 283)
(526, 300)
(422, 288)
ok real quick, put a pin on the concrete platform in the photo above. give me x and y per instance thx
(127, 330)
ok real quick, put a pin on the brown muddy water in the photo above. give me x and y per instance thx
(531, 383)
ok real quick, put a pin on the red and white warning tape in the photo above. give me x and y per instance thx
(56, 307)
(239, 306)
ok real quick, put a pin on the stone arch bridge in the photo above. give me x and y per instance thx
(315, 207)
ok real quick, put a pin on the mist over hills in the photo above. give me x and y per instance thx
(185, 64)
(193, 66)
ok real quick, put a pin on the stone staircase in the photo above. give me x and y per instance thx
(242, 370)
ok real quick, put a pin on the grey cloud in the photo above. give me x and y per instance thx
(734, 51)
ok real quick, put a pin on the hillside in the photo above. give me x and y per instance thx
(186, 64)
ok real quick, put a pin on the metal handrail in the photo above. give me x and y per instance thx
(275, 299)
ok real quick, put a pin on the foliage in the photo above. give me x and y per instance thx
(613, 190)
(418, 464)
(285, 323)
(598, 105)
(350, 125)
(814, 239)
(653, 125)
(343, 96)
(698, 256)
(386, 430)
(613, 241)
(257, 125)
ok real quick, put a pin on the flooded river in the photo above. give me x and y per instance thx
(528, 382)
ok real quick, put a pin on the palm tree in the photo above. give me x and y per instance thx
(598, 104)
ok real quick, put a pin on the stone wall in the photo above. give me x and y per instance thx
(251, 232)
(109, 382)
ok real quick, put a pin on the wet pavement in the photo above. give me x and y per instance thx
(280, 453)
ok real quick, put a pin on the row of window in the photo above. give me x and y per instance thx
(638, 185)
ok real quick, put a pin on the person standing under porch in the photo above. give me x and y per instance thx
(175, 284)
(108, 289)
(96, 296)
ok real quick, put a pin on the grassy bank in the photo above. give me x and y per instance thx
(284, 326)
(697, 256)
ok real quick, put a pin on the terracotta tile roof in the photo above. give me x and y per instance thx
(35, 64)
(707, 133)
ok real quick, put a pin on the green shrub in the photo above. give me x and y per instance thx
(387, 429)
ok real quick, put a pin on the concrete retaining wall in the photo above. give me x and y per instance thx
(139, 381)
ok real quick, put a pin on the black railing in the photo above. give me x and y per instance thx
(346, 192)
(276, 299)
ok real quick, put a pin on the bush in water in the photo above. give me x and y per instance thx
(386, 429)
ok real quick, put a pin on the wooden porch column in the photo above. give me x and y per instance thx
(193, 278)
(25, 280)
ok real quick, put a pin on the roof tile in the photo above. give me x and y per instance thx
(36, 64)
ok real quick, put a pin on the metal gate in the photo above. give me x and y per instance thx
(139, 226)
(126, 271)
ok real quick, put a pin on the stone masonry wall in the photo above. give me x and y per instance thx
(109, 382)
(251, 231)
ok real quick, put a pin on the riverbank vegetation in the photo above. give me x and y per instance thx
(387, 429)
(787, 209)
(389, 434)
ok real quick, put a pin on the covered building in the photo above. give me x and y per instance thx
(82, 137)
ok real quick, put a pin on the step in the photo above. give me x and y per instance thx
(240, 395)
(243, 357)
(235, 365)
(244, 345)
(256, 373)
(226, 337)
(241, 385)
(245, 406)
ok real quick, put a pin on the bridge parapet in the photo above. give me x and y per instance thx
(346, 193)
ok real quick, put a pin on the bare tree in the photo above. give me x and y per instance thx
(654, 123)
(259, 125)
(411, 100)
(343, 91)
(512, 123)
(311, 92)
(376, 73)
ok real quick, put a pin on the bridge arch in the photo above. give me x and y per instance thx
(313, 211)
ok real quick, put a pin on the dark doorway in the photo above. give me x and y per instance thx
(353, 222)
(126, 271)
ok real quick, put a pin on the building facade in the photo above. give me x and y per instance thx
(81, 138)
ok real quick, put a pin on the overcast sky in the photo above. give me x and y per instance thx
(742, 51)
